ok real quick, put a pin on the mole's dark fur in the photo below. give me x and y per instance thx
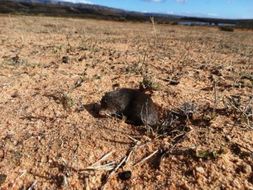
(134, 104)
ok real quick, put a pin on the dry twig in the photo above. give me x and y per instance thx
(97, 165)
(113, 171)
(146, 158)
(33, 185)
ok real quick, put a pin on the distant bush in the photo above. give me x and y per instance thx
(247, 24)
(226, 28)
(174, 23)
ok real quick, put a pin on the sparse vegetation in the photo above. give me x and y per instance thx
(148, 84)
(226, 28)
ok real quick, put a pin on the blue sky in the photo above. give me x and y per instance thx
(206, 8)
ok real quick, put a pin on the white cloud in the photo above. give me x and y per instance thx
(88, 2)
(213, 14)
(170, 12)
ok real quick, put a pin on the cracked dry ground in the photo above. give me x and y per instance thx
(53, 71)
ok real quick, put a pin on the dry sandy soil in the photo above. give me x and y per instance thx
(54, 71)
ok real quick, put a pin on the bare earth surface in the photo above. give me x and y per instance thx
(54, 71)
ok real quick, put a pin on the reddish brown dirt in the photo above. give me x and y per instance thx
(50, 133)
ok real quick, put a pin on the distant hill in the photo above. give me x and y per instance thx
(58, 8)
(68, 9)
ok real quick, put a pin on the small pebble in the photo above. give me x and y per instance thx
(15, 94)
(126, 175)
(44, 159)
(2, 178)
(200, 170)
(1, 154)
(173, 82)
(65, 59)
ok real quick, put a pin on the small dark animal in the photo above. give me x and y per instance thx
(134, 104)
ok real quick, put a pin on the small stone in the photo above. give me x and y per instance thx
(236, 184)
(2, 178)
(228, 138)
(246, 83)
(1, 154)
(126, 175)
(236, 149)
(250, 179)
(247, 169)
(216, 72)
(173, 82)
(15, 142)
(185, 186)
(44, 159)
(65, 59)
(200, 170)
(223, 167)
(244, 168)
(15, 94)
